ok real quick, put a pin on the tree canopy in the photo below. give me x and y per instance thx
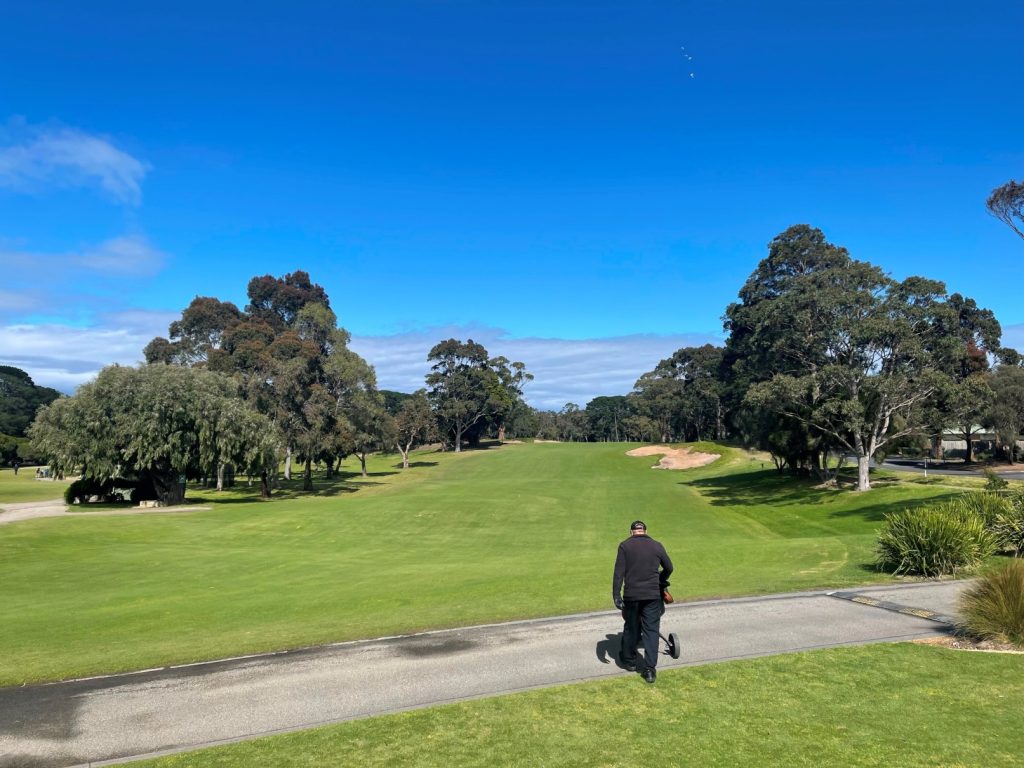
(156, 425)
(20, 398)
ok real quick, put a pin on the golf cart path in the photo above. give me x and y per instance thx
(101, 721)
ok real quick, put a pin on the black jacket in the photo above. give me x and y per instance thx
(636, 566)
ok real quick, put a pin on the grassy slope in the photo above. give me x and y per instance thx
(524, 530)
(898, 706)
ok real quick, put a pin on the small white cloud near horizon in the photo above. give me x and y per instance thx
(68, 157)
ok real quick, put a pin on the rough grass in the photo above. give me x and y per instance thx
(897, 706)
(505, 533)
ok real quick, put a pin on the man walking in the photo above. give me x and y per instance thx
(642, 568)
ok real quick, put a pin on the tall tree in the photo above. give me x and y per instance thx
(464, 389)
(1006, 203)
(850, 352)
(512, 377)
(414, 424)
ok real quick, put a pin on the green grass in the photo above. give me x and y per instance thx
(23, 487)
(481, 536)
(897, 706)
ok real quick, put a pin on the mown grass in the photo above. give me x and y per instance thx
(898, 706)
(24, 487)
(505, 533)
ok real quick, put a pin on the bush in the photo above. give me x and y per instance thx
(993, 607)
(988, 506)
(1008, 527)
(934, 541)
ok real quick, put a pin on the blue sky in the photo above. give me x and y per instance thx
(580, 185)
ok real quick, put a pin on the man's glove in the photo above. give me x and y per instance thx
(619, 603)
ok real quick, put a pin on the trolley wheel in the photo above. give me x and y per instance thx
(673, 645)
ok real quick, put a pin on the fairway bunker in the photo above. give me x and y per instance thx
(674, 458)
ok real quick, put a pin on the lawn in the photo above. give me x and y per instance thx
(24, 487)
(897, 706)
(488, 535)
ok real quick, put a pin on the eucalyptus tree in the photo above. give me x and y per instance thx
(836, 345)
(1006, 412)
(414, 424)
(467, 389)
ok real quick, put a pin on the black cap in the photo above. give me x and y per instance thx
(638, 525)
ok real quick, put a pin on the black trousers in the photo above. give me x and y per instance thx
(643, 619)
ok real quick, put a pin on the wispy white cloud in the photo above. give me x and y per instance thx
(130, 254)
(64, 357)
(67, 157)
(564, 370)
(125, 256)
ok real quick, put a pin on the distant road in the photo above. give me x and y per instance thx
(918, 465)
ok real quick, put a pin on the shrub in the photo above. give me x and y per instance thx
(933, 541)
(993, 607)
(987, 506)
(1008, 527)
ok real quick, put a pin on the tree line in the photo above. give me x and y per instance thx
(826, 357)
(243, 390)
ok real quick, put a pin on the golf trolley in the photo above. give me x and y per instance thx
(672, 645)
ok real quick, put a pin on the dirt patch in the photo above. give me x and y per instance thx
(960, 643)
(674, 458)
(547, 441)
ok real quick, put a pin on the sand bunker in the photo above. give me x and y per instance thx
(13, 513)
(674, 458)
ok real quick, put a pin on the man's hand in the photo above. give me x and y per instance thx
(619, 603)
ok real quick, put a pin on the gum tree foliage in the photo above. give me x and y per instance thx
(468, 390)
(605, 415)
(837, 347)
(1006, 203)
(683, 394)
(156, 424)
(291, 358)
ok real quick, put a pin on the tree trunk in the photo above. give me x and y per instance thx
(330, 468)
(168, 490)
(362, 463)
(405, 454)
(863, 473)
(307, 476)
(288, 464)
(264, 485)
(969, 455)
(220, 477)
(501, 433)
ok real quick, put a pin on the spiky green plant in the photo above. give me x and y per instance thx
(934, 541)
(993, 607)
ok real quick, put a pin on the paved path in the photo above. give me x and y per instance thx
(30, 510)
(144, 713)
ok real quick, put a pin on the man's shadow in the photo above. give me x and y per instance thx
(608, 650)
